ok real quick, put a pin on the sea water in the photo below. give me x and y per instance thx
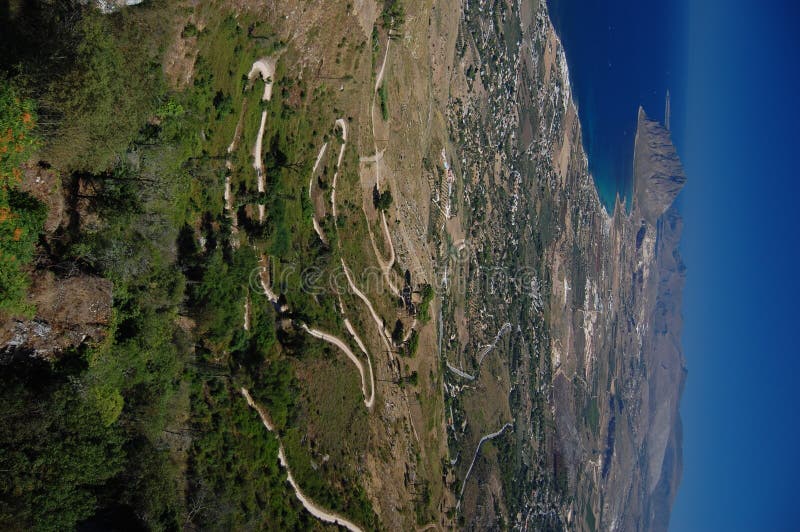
(621, 54)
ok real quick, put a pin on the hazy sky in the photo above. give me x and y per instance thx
(739, 143)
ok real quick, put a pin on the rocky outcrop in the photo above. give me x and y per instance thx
(68, 312)
(110, 6)
(658, 173)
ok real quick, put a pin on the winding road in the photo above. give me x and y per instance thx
(266, 68)
(486, 438)
(459, 372)
(369, 399)
(378, 321)
(376, 158)
(308, 504)
(488, 347)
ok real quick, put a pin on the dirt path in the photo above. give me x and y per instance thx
(228, 197)
(388, 241)
(369, 399)
(308, 504)
(265, 67)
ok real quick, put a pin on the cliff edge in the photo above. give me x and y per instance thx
(658, 173)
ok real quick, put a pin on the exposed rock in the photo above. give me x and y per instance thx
(110, 6)
(68, 312)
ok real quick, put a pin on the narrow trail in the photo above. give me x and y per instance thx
(227, 194)
(486, 438)
(385, 266)
(388, 240)
(266, 68)
(379, 79)
(228, 197)
(316, 165)
(318, 230)
(354, 334)
(310, 506)
(485, 350)
(238, 131)
(369, 399)
(410, 330)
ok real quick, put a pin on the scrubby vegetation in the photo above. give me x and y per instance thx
(424, 311)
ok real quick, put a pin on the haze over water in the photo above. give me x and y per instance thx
(621, 55)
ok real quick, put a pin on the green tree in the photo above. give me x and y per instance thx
(382, 200)
(394, 15)
(111, 89)
(398, 332)
(57, 453)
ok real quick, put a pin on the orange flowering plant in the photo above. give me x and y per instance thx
(21, 215)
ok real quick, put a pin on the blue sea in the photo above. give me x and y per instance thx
(621, 54)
